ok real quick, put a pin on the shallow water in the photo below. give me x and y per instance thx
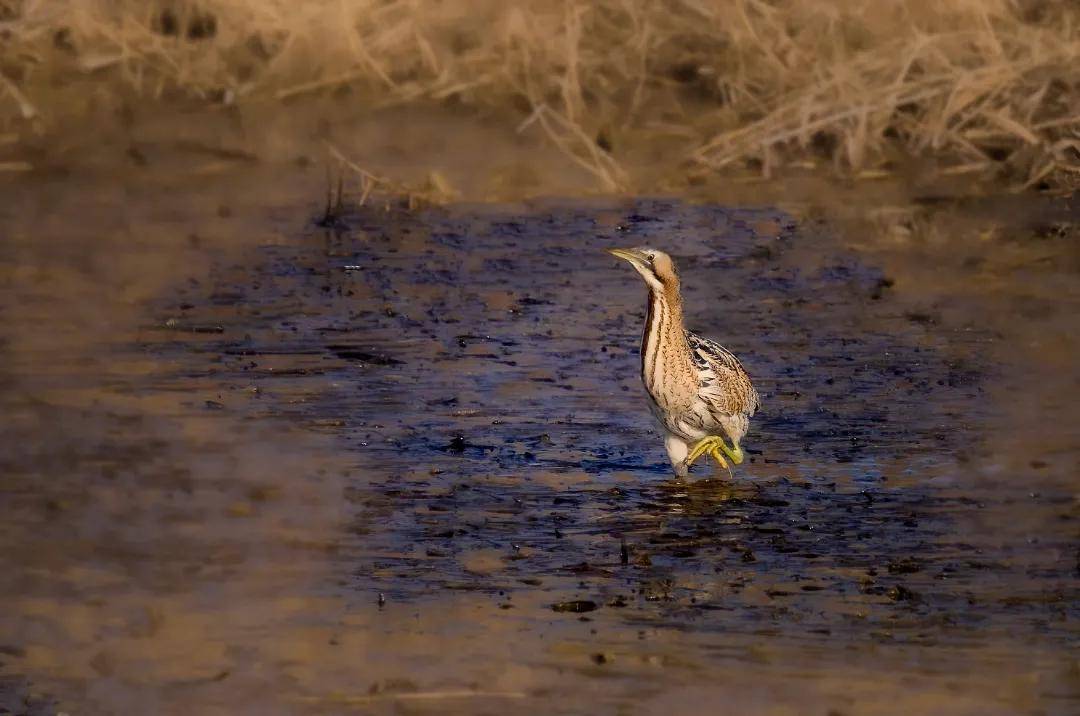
(402, 464)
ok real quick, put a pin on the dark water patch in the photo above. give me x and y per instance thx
(482, 372)
(16, 696)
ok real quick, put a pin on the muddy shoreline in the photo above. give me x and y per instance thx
(403, 462)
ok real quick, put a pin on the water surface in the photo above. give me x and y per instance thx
(402, 463)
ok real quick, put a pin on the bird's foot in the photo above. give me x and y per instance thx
(714, 453)
(721, 462)
(712, 445)
(709, 445)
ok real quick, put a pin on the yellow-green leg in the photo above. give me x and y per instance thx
(736, 454)
(710, 445)
(721, 461)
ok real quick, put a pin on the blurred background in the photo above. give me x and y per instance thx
(638, 96)
(320, 394)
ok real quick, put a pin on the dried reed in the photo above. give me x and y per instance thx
(978, 86)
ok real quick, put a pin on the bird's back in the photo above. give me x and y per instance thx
(723, 383)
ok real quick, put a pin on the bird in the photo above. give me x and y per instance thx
(698, 390)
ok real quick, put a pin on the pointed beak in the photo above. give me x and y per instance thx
(632, 255)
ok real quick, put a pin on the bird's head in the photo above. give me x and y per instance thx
(655, 267)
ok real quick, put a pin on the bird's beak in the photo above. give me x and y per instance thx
(634, 256)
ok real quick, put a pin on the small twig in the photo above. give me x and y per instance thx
(26, 109)
(340, 205)
(336, 153)
(328, 211)
(413, 696)
(1013, 127)
(1036, 176)
(316, 85)
(603, 166)
(1059, 122)
(367, 185)
(967, 168)
(369, 182)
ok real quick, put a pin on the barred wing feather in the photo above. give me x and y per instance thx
(723, 383)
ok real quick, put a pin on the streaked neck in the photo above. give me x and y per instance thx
(665, 354)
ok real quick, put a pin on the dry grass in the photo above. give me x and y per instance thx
(988, 87)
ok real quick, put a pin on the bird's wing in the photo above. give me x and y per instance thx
(723, 382)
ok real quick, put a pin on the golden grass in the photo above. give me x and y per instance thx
(989, 87)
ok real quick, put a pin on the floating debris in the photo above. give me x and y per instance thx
(576, 606)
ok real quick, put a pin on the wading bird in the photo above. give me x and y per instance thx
(697, 388)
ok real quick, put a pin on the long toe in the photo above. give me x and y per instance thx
(704, 445)
(720, 461)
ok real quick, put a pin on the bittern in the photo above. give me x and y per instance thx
(697, 389)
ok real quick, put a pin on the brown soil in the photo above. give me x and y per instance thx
(399, 462)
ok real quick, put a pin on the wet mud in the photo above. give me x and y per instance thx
(402, 463)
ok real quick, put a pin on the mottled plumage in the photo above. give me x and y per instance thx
(697, 389)
(724, 383)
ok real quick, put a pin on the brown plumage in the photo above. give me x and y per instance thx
(697, 389)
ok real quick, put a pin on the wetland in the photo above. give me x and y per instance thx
(399, 461)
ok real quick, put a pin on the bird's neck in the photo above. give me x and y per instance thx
(665, 354)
